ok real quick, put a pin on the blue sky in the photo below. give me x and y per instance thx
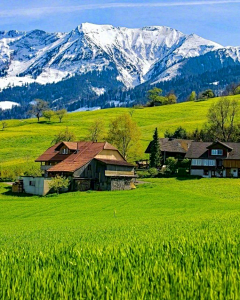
(216, 20)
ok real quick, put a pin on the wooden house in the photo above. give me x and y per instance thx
(171, 147)
(88, 165)
(215, 159)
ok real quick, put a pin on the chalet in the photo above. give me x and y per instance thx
(88, 165)
(171, 147)
(214, 159)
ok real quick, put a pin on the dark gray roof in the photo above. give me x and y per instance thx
(200, 150)
(172, 145)
(221, 143)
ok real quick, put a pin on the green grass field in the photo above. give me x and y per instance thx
(24, 140)
(168, 239)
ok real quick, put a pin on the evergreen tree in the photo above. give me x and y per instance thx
(155, 156)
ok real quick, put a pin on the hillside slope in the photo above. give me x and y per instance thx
(24, 140)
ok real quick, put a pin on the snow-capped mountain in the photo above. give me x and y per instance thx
(101, 65)
(137, 55)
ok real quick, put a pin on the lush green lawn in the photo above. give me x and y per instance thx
(168, 239)
(24, 140)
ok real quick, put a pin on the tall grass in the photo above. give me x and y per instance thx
(168, 239)
(170, 261)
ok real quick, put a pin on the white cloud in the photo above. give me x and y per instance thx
(36, 12)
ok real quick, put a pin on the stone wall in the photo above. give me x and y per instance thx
(119, 184)
(82, 184)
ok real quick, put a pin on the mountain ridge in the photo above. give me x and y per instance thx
(97, 65)
(38, 56)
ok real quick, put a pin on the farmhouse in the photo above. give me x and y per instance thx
(88, 165)
(171, 147)
(214, 159)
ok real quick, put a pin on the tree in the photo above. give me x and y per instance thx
(96, 130)
(192, 96)
(179, 133)
(171, 98)
(208, 94)
(64, 136)
(237, 90)
(4, 125)
(222, 120)
(38, 108)
(155, 155)
(124, 134)
(60, 114)
(48, 114)
(58, 183)
(171, 164)
(155, 97)
(198, 135)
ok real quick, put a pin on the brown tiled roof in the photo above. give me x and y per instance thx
(172, 145)
(200, 150)
(51, 155)
(84, 152)
(115, 162)
(69, 145)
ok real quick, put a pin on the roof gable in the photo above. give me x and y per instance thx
(217, 143)
(69, 145)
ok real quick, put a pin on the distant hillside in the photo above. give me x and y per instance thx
(24, 140)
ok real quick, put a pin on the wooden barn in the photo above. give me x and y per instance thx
(88, 165)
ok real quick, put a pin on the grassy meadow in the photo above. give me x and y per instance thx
(24, 140)
(167, 239)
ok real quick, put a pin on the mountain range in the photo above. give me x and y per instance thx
(97, 63)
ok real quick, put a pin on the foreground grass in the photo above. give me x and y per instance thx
(168, 239)
(24, 140)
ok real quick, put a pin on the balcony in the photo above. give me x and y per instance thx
(119, 173)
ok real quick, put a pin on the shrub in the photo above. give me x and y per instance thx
(59, 183)
(171, 164)
(153, 172)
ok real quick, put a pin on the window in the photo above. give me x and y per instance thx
(211, 163)
(196, 162)
(64, 151)
(32, 183)
(89, 167)
(217, 152)
(205, 162)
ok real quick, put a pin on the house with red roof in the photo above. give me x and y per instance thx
(88, 165)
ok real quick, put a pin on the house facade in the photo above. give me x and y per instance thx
(214, 159)
(88, 165)
(171, 147)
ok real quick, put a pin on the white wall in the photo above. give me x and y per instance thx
(40, 188)
(197, 172)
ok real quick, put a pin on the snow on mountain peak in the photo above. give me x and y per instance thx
(136, 53)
